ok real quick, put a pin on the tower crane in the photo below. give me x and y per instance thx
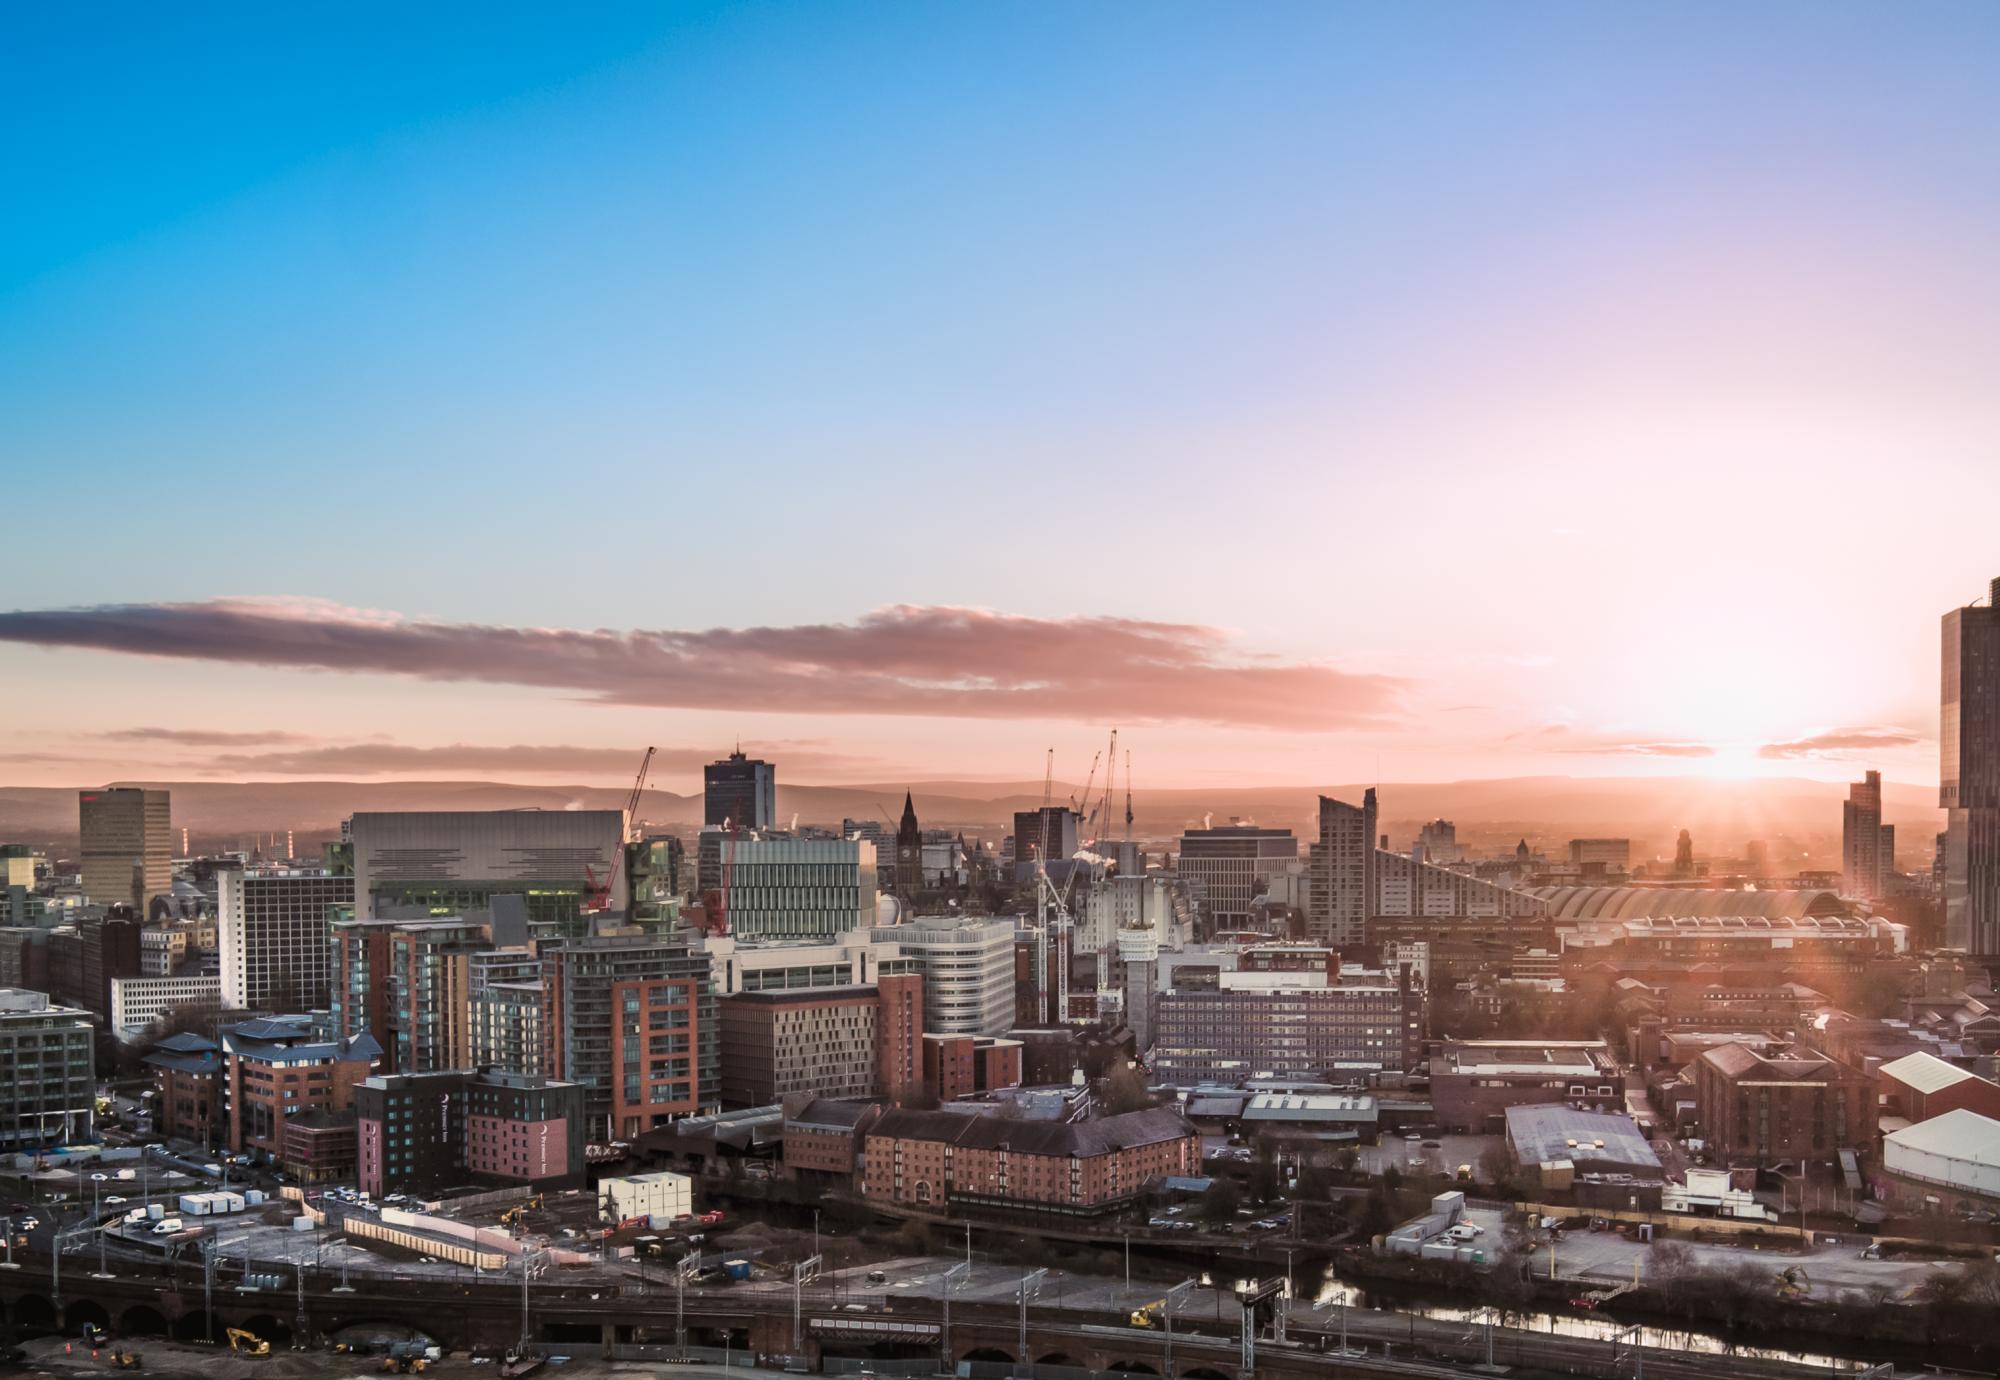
(638, 787)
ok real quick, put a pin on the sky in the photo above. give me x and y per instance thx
(1318, 392)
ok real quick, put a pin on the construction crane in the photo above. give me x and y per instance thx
(632, 802)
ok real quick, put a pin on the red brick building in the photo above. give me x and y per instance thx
(1761, 1110)
(1921, 1086)
(187, 1082)
(960, 1065)
(320, 1147)
(277, 1068)
(899, 1035)
(824, 1136)
(1080, 1168)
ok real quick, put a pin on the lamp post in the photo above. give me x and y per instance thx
(1030, 1285)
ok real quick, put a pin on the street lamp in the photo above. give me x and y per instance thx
(1030, 1285)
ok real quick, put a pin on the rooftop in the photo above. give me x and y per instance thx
(1925, 1072)
(1958, 1135)
(1549, 1131)
(1496, 1057)
(1634, 902)
(1062, 1139)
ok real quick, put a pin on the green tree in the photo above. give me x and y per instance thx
(1125, 1090)
(1220, 1203)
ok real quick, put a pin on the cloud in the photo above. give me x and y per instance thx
(202, 737)
(1561, 737)
(383, 759)
(1668, 749)
(903, 659)
(1840, 742)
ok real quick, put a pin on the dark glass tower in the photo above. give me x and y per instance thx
(740, 790)
(1969, 775)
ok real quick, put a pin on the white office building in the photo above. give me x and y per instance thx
(137, 1003)
(275, 932)
(968, 968)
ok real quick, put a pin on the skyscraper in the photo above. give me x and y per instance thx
(1969, 775)
(127, 846)
(739, 790)
(1867, 846)
(1343, 871)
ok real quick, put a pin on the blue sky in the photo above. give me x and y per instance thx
(1376, 336)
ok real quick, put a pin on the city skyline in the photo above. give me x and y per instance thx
(1338, 396)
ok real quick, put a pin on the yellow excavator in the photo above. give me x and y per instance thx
(513, 1215)
(125, 1360)
(247, 1343)
(1793, 1282)
(1149, 1315)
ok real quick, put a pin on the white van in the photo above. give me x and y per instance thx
(167, 1226)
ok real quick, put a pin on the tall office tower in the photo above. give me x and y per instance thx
(127, 846)
(1342, 866)
(1969, 776)
(1052, 833)
(740, 790)
(1867, 846)
(274, 929)
(1232, 865)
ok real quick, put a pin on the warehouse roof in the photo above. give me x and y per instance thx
(1638, 902)
(1345, 1108)
(1959, 1135)
(1925, 1072)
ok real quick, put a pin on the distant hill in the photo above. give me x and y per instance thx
(1545, 810)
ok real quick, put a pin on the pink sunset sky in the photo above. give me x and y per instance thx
(1317, 393)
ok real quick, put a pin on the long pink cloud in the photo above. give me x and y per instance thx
(903, 659)
(381, 759)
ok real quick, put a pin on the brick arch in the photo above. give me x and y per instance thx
(143, 1320)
